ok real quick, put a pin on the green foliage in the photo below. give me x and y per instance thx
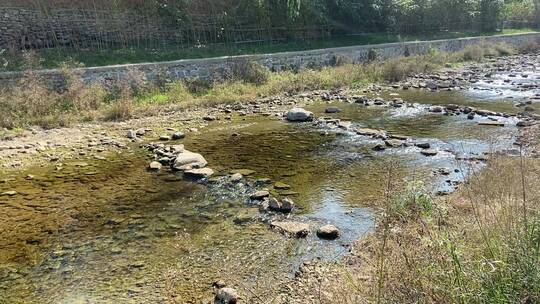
(415, 201)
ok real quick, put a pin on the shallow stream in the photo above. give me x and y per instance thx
(100, 231)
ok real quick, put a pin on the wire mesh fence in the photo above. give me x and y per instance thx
(94, 29)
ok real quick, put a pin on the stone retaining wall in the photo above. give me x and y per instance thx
(211, 67)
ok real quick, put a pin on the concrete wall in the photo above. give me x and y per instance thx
(211, 67)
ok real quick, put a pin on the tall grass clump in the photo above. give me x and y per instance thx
(480, 51)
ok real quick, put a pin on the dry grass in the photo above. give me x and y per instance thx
(30, 103)
(479, 245)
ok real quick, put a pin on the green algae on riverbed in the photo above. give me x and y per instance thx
(98, 230)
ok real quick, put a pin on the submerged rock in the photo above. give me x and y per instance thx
(189, 160)
(371, 132)
(8, 193)
(332, 110)
(492, 123)
(290, 228)
(328, 232)
(281, 186)
(299, 114)
(199, 173)
(244, 172)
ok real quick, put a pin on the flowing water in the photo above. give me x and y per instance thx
(100, 231)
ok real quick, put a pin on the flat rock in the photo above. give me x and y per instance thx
(199, 173)
(290, 228)
(8, 193)
(371, 132)
(492, 123)
(332, 110)
(394, 143)
(244, 172)
(281, 186)
(259, 195)
(345, 125)
(429, 152)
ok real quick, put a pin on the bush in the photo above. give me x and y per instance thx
(120, 109)
(249, 72)
(529, 47)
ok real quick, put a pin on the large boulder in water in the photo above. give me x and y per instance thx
(188, 160)
(299, 114)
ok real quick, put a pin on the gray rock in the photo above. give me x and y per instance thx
(379, 147)
(177, 149)
(423, 145)
(285, 206)
(492, 123)
(236, 177)
(345, 125)
(188, 160)
(429, 152)
(259, 195)
(226, 295)
(333, 110)
(436, 109)
(394, 143)
(371, 132)
(290, 228)
(178, 135)
(131, 134)
(199, 173)
(328, 232)
(299, 114)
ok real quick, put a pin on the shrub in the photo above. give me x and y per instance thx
(249, 72)
(120, 109)
(340, 60)
(529, 47)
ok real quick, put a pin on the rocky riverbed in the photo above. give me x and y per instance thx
(192, 203)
